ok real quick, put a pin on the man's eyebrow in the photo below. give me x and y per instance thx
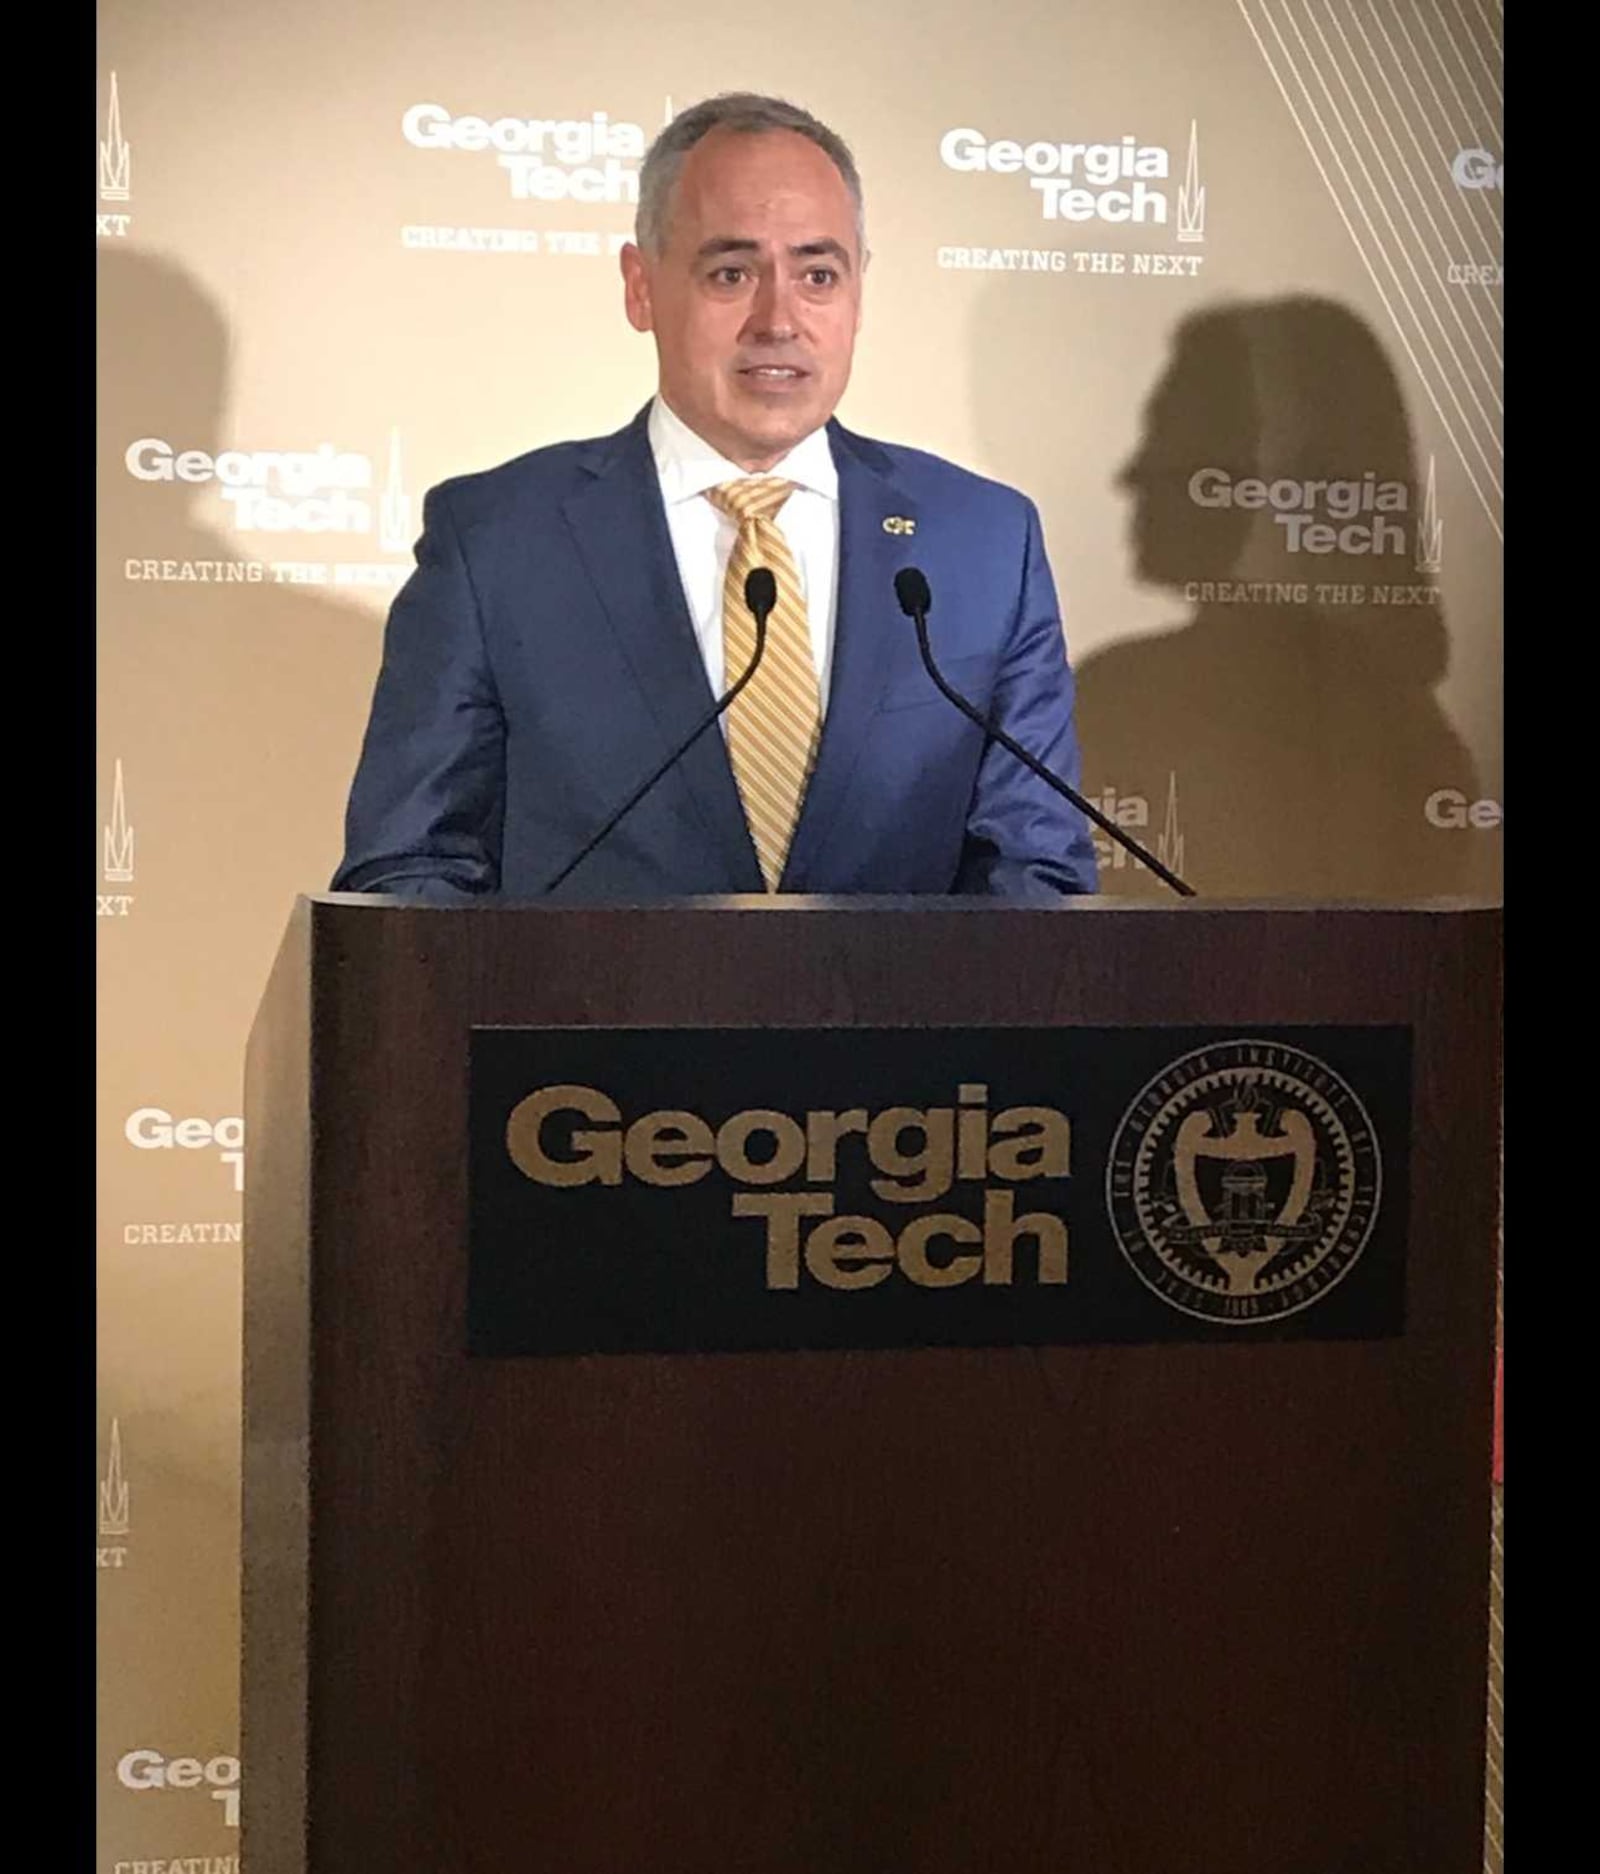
(725, 244)
(738, 244)
(809, 249)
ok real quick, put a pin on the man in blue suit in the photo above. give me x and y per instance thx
(575, 612)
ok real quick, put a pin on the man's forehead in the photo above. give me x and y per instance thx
(764, 170)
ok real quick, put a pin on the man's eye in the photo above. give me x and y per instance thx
(728, 276)
(820, 276)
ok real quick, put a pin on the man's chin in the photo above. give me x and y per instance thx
(768, 435)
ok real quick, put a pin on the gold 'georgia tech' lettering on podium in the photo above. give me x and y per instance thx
(960, 1143)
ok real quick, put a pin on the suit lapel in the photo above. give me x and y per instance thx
(620, 527)
(866, 618)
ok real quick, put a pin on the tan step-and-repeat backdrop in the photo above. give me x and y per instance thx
(1218, 282)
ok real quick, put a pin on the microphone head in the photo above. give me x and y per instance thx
(760, 590)
(911, 589)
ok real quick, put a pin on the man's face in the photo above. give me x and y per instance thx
(756, 296)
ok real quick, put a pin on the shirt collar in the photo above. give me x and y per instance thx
(688, 466)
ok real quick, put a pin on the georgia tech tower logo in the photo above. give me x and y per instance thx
(116, 857)
(1080, 182)
(1133, 810)
(1244, 1182)
(586, 160)
(1350, 514)
(111, 1549)
(316, 491)
(116, 171)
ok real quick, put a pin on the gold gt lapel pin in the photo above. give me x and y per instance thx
(898, 524)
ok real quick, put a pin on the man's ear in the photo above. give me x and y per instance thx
(636, 288)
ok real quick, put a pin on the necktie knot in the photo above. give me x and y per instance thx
(757, 500)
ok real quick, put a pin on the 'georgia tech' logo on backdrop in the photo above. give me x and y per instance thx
(1478, 169)
(145, 1771)
(153, 1129)
(113, 1521)
(116, 172)
(279, 491)
(114, 1489)
(1449, 808)
(1244, 1182)
(1133, 811)
(1117, 183)
(116, 853)
(117, 850)
(1352, 515)
(586, 160)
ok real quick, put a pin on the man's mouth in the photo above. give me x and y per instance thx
(773, 373)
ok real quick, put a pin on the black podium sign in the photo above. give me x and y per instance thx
(719, 1190)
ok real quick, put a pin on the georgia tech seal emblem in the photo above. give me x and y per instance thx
(1244, 1182)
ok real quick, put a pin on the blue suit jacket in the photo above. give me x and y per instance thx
(540, 661)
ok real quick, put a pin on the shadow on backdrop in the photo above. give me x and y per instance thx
(1291, 723)
(244, 702)
(235, 712)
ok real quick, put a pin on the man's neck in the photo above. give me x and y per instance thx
(757, 465)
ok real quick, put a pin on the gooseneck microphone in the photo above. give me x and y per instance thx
(916, 601)
(760, 596)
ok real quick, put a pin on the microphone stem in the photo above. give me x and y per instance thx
(677, 754)
(919, 618)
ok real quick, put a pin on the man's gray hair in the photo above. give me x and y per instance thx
(748, 113)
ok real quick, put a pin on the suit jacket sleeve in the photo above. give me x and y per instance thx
(428, 800)
(1022, 839)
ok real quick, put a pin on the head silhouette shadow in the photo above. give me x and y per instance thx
(241, 704)
(162, 355)
(1275, 487)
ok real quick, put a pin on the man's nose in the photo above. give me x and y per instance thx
(772, 313)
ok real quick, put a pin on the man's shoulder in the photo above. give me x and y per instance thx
(935, 479)
(538, 476)
(547, 475)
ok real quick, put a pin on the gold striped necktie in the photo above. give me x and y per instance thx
(775, 721)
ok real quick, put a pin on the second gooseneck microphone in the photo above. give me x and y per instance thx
(916, 601)
(760, 596)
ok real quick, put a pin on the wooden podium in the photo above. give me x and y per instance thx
(1182, 1608)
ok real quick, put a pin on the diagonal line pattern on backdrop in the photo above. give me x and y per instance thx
(1410, 328)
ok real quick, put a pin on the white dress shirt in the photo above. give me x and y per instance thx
(703, 537)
